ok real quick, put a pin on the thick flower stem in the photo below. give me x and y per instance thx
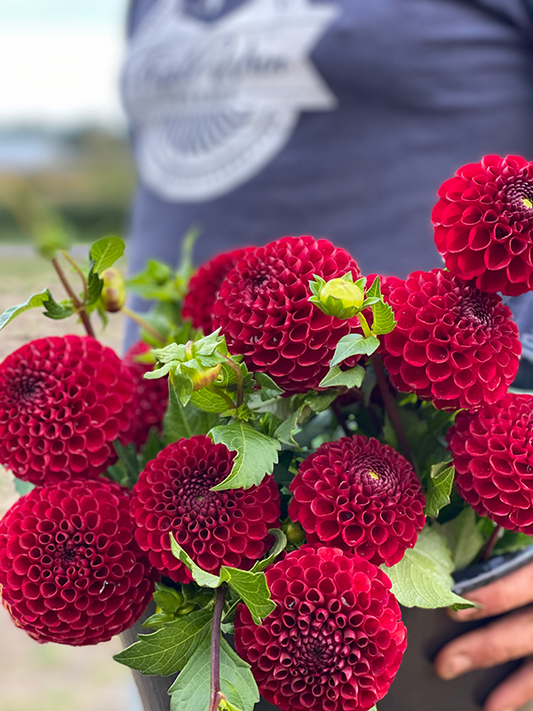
(489, 547)
(216, 694)
(78, 306)
(392, 411)
(143, 324)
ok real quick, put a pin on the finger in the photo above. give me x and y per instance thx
(515, 590)
(508, 638)
(514, 692)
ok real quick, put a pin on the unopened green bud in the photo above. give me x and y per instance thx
(348, 293)
(202, 378)
(185, 610)
(339, 297)
(114, 291)
(294, 532)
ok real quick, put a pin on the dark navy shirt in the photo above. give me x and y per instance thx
(254, 119)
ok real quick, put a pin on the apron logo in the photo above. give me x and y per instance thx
(213, 103)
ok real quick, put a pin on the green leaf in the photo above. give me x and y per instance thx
(440, 484)
(269, 389)
(288, 428)
(354, 344)
(256, 455)
(33, 302)
(463, 538)
(253, 590)
(183, 422)
(512, 541)
(384, 321)
(225, 705)
(423, 577)
(251, 586)
(375, 289)
(277, 548)
(94, 286)
(168, 599)
(191, 690)
(157, 620)
(209, 401)
(318, 402)
(105, 253)
(202, 577)
(23, 487)
(348, 378)
(167, 651)
(57, 311)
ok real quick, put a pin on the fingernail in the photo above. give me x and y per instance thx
(459, 664)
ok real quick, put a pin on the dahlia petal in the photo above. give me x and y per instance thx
(53, 606)
(48, 390)
(215, 528)
(296, 340)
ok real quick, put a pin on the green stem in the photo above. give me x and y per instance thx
(489, 547)
(364, 325)
(78, 306)
(216, 695)
(240, 382)
(143, 324)
(392, 410)
(80, 273)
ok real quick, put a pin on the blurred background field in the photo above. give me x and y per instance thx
(65, 175)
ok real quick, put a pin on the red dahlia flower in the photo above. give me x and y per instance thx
(63, 401)
(215, 528)
(335, 640)
(151, 395)
(70, 569)
(264, 311)
(203, 288)
(453, 344)
(493, 456)
(361, 496)
(484, 224)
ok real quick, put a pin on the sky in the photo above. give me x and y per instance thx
(60, 62)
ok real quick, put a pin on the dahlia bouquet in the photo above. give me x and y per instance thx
(289, 451)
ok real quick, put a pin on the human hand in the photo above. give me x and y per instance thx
(510, 637)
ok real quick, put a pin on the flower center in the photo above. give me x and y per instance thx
(68, 556)
(193, 496)
(26, 387)
(520, 198)
(374, 475)
(475, 309)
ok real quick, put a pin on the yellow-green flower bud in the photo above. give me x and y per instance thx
(202, 378)
(348, 293)
(114, 291)
(294, 532)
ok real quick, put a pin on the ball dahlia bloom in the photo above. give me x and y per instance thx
(215, 528)
(361, 496)
(453, 344)
(493, 456)
(70, 569)
(335, 640)
(264, 311)
(63, 401)
(203, 288)
(484, 224)
(151, 396)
